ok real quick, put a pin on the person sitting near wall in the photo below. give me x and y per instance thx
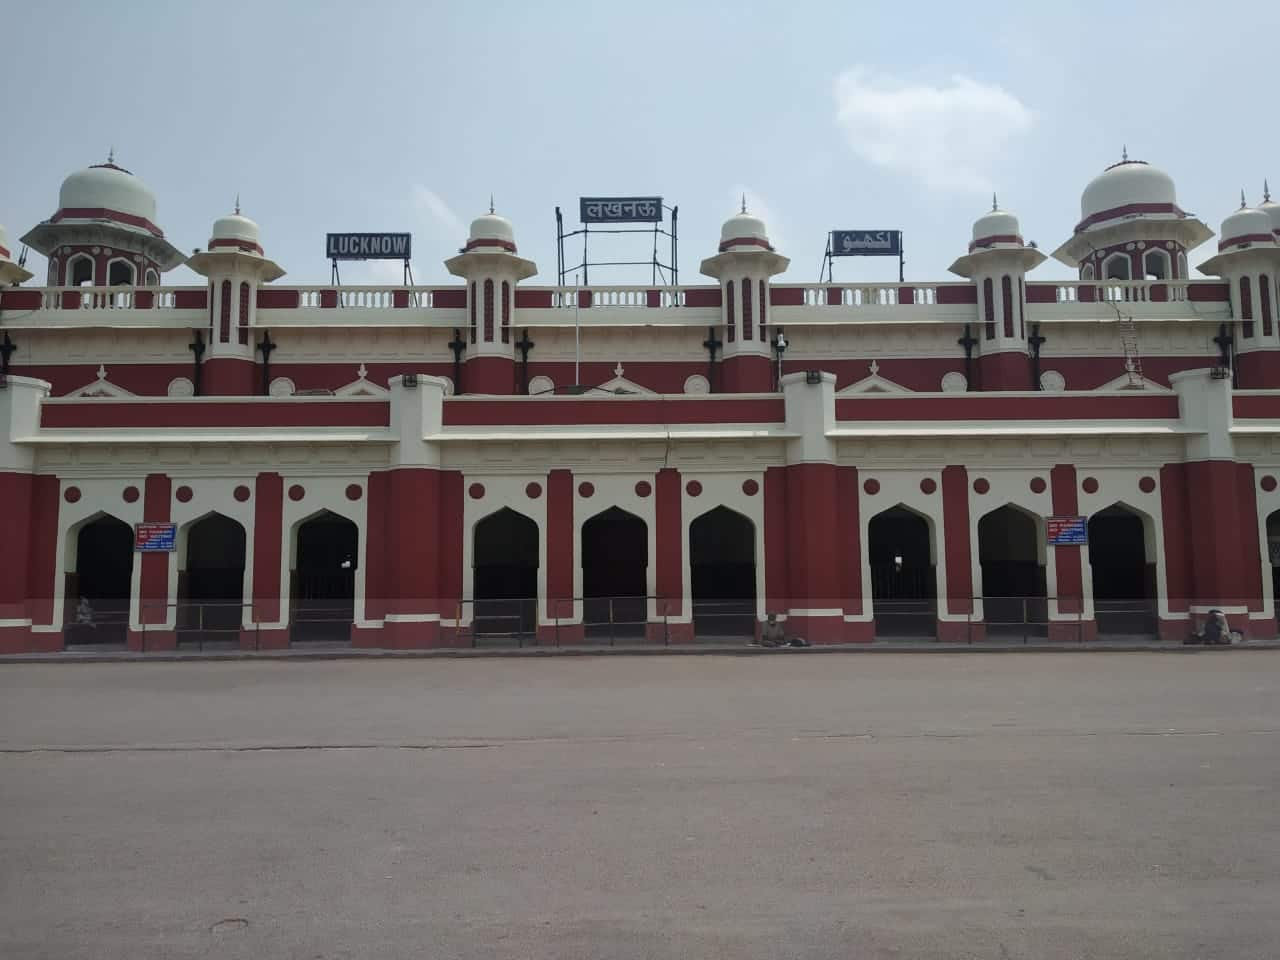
(84, 614)
(771, 634)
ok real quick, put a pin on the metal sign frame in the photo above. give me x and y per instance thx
(828, 258)
(371, 240)
(605, 213)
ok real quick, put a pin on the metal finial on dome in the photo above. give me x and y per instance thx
(1266, 192)
(1124, 153)
(994, 205)
(237, 204)
(111, 154)
(1242, 203)
(491, 203)
(744, 203)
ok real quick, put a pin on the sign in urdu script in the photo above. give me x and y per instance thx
(866, 243)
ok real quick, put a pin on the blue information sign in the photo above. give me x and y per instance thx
(1067, 531)
(155, 536)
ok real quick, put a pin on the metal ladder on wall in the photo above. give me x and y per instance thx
(1132, 361)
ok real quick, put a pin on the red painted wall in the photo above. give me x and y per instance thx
(43, 548)
(156, 504)
(489, 375)
(1174, 508)
(15, 495)
(747, 375)
(560, 543)
(449, 537)
(849, 539)
(1069, 559)
(969, 406)
(955, 521)
(465, 412)
(669, 537)
(177, 413)
(268, 527)
(777, 585)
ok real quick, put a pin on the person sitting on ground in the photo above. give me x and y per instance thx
(84, 614)
(771, 634)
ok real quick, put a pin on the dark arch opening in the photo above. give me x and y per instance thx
(323, 580)
(1013, 573)
(504, 563)
(615, 564)
(904, 583)
(722, 567)
(97, 593)
(120, 274)
(211, 583)
(80, 272)
(1123, 579)
(1273, 553)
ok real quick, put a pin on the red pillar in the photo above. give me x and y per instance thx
(449, 540)
(230, 377)
(1004, 371)
(496, 375)
(560, 560)
(43, 574)
(154, 580)
(777, 576)
(268, 534)
(746, 374)
(16, 494)
(849, 521)
(956, 543)
(1248, 580)
(669, 546)
(1068, 562)
(813, 550)
(1175, 513)
(409, 572)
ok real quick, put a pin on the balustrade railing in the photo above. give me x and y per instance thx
(618, 296)
(109, 298)
(864, 295)
(1124, 291)
(364, 298)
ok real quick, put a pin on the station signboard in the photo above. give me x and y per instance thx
(155, 537)
(1067, 531)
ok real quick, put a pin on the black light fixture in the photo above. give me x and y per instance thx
(779, 348)
(813, 377)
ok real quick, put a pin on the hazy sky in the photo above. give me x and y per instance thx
(406, 116)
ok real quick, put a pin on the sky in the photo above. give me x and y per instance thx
(407, 116)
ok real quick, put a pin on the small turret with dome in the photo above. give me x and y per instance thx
(10, 272)
(745, 265)
(491, 268)
(104, 232)
(1270, 208)
(235, 235)
(1131, 227)
(997, 231)
(1248, 259)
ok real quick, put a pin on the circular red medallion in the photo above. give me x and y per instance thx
(872, 486)
(1148, 484)
(928, 485)
(354, 491)
(71, 495)
(297, 492)
(693, 488)
(242, 493)
(533, 491)
(643, 488)
(1038, 485)
(750, 487)
(586, 489)
(475, 491)
(130, 494)
(1090, 485)
(981, 485)
(1268, 483)
(184, 494)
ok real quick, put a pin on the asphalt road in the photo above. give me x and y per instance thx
(789, 806)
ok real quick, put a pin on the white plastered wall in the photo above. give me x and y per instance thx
(506, 490)
(1119, 487)
(614, 490)
(324, 493)
(98, 496)
(901, 488)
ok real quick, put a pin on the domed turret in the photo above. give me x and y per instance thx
(490, 232)
(104, 231)
(1131, 226)
(236, 231)
(997, 231)
(106, 191)
(235, 236)
(744, 230)
(1246, 227)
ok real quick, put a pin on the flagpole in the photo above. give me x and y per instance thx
(577, 335)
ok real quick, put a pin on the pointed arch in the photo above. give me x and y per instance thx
(614, 555)
(98, 579)
(722, 568)
(326, 554)
(505, 557)
(1012, 561)
(1122, 555)
(212, 557)
(121, 273)
(1117, 266)
(902, 555)
(79, 270)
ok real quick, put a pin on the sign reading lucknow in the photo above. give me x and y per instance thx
(368, 246)
(620, 209)
(866, 243)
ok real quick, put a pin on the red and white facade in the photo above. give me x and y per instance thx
(392, 463)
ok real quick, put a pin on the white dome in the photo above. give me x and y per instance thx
(490, 226)
(1245, 222)
(1272, 210)
(996, 223)
(107, 187)
(1129, 182)
(742, 226)
(236, 227)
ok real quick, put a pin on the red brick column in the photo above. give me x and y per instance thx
(957, 556)
(408, 577)
(1068, 562)
(448, 538)
(16, 495)
(669, 546)
(851, 557)
(268, 544)
(561, 550)
(746, 374)
(813, 549)
(154, 580)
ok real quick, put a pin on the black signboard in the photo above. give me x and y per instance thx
(620, 209)
(368, 246)
(866, 243)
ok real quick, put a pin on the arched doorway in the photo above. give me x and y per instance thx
(1124, 581)
(722, 568)
(504, 563)
(615, 565)
(323, 580)
(211, 582)
(904, 583)
(1273, 554)
(99, 583)
(1012, 556)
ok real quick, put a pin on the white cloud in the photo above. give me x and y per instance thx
(433, 204)
(950, 137)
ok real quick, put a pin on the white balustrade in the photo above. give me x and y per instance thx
(364, 298)
(109, 298)
(1124, 291)
(866, 295)
(629, 296)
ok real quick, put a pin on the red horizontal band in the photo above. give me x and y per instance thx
(4, 252)
(1128, 209)
(506, 245)
(1246, 238)
(102, 213)
(998, 238)
(246, 245)
(753, 241)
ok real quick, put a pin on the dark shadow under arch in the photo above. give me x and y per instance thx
(504, 571)
(722, 569)
(1124, 578)
(904, 581)
(97, 593)
(615, 565)
(211, 581)
(1011, 555)
(323, 580)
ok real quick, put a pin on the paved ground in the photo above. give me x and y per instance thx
(986, 806)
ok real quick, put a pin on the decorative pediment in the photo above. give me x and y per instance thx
(1124, 382)
(620, 384)
(362, 386)
(101, 387)
(873, 384)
